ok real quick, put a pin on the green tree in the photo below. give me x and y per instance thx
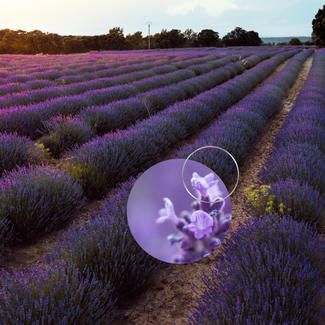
(169, 39)
(135, 40)
(190, 38)
(115, 39)
(176, 38)
(208, 37)
(318, 34)
(253, 38)
(240, 37)
(295, 41)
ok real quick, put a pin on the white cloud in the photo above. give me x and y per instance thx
(265, 6)
(216, 8)
(212, 7)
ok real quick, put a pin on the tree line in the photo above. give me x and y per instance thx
(22, 42)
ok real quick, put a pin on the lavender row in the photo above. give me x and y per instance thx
(16, 62)
(110, 159)
(27, 66)
(296, 168)
(12, 88)
(52, 75)
(70, 76)
(16, 87)
(36, 96)
(62, 62)
(84, 65)
(29, 120)
(90, 66)
(269, 271)
(193, 58)
(66, 132)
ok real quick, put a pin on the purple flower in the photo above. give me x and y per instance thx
(201, 224)
(167, 213)
(206, 186)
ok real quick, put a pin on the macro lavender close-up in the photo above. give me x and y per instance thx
(202, 230)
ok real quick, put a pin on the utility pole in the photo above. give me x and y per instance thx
(149, 23)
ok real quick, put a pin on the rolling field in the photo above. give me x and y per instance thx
(76, 131)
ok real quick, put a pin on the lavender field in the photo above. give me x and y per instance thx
(76, 131)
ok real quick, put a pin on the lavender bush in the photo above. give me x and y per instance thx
(65, 133)
(302, 162)
(264, 274)
(54, 294)
(17, 151)
(304, 201)
(37, 200)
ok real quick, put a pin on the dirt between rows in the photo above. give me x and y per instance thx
(169, 298)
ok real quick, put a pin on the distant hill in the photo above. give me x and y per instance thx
(284, 39)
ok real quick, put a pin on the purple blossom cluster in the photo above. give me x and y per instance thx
(269, 271)
(296, 168)
(113, 158)
(199, 232)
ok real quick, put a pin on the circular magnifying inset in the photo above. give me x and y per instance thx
(165, 220)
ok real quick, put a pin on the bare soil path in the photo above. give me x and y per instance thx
(168, 300)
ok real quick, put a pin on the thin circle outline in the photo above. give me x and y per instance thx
(209, 147)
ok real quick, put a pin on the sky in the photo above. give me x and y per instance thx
(273, 18)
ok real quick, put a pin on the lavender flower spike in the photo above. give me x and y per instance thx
(167, 213)
(201, 224)
(206, 186)
(198, 232)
